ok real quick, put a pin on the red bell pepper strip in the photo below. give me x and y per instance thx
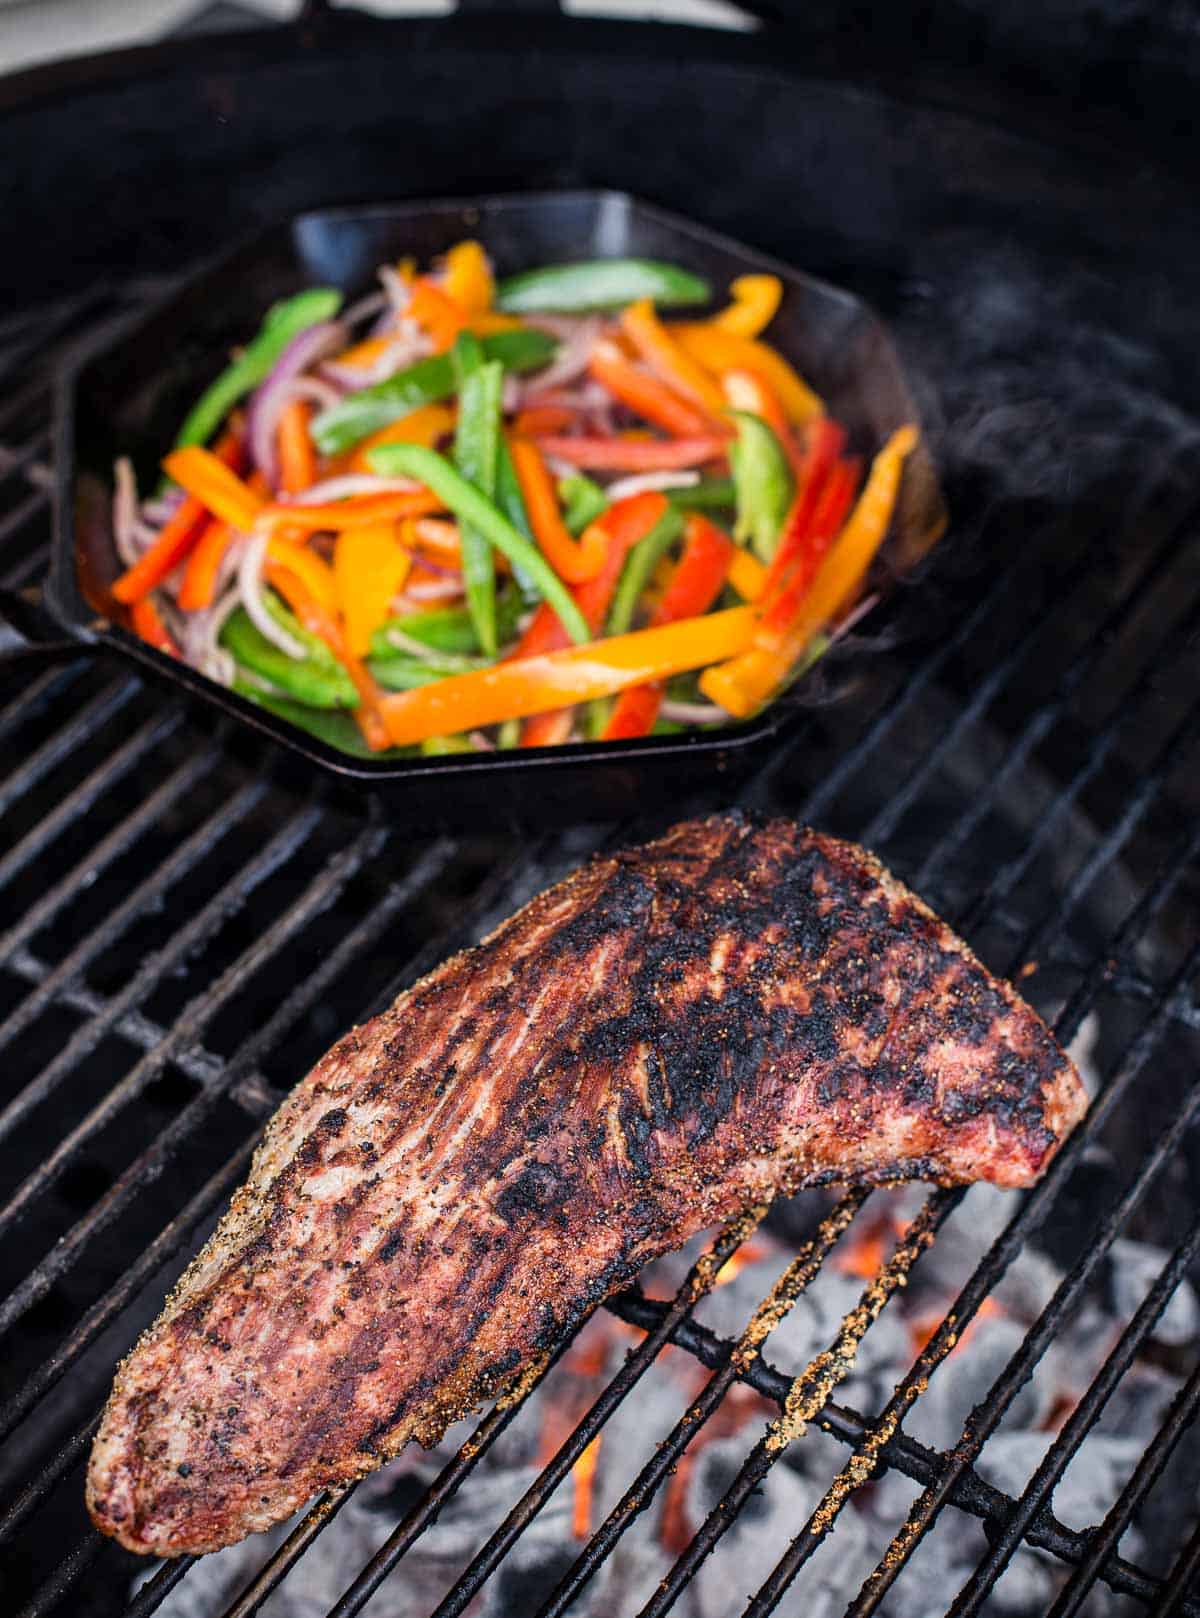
(176, 537)
(780, 604)
(695, 584)
(825, 442)
(148, 626)
(645, 394)
(543, 418)
(635, 454)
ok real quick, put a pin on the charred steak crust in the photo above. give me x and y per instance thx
(672, 1033)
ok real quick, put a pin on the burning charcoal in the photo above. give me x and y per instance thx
(983, 1351)
(1091, 1482)
(1135, 1267)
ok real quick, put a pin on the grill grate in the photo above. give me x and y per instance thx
(167, 891)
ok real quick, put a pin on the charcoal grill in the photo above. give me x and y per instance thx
(188, 921)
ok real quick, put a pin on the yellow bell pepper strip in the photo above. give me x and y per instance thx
(313, 572)
(217, 487)
(148, 626)
(764, 485)
(335, 515)
(755, 300)
(468, 278)
(719, 351)
(492, 321)
(468, 505)
(644, 393)
(745, 682)
(574, 674)
(667, 360)
(317, 621)
(747, 575)
(573, 560)
(635, 454)
(177, 537)
(425, 425)
(297, 457)
(369, 568)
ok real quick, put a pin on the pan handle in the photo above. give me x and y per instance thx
(44, 642)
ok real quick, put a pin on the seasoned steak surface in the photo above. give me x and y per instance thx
(669, 1035)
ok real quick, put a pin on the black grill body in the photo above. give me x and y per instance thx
(189, 919)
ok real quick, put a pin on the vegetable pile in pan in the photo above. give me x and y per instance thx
(464, 515)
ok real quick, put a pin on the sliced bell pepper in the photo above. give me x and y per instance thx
(644, 393)
(313, 572)
(297, 458)
(438, 313)
(755, 300)
(548, 729)
(694, 586)
(318, 681)
(824, 444)
(750, 393)
(369, 567)
(492, 321)
(708, 495)
(425, 425)
(639, 568)
(476, 454)
(574, 674)
(583, 501)
(670, 363)
(218, 488)
(718, 351)
(782, 596)
(468, 278)
(764, 485)
(447, 629)
(428, 381)
(178, 535)
(744, 683)
(313, 617)
(547, 418)
(282, 322)
(335, 515)
(200, 575)
(747, 575)
(468, 505)
(148, 625)
(610, 283)
(331, 726)
(635, 454)
(573, 560)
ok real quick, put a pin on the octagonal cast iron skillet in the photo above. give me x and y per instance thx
(128, 394)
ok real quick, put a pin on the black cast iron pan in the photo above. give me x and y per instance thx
(127, 396)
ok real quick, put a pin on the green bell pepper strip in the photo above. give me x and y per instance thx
(400, 673)
(710, 494)
(583, 501)
(476, 452)
(468, 505)
(334, 728)
(282, 322)
(440, 746)
(307, 679)
(639, 565)
(763, 481)
(447, 629)
(508, 735)
(605, 283)
(427, 382)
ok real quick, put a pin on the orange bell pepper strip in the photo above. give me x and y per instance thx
(825, 443)
(717, 350)
(437, 312)
(318, 621)
(297, 456)
(620, 528)
(695, 583)
(313, 572)
(573, 674)
(635, 454)
(147, 625)
(572, 560)
(369, 567)
(670, 363)
(335, 515)
(200, 576)
(744, 390)
(177, 536)
(755, 301)
(742, 684)
(425, 425)
(644, 394)
(468, 278)
(747, 575)
(539, 419)
(492, 321)
(214, 483)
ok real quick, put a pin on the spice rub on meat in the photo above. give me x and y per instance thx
(668, 1036)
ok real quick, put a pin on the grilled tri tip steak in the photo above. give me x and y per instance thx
(668, 1036)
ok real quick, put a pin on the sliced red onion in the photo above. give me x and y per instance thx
(131, 535)
(408, 344)
(396, 289)
(198, 638)
(163, 507)
(423, 590)
(364, 308)
(480, 742)
(350, 484)
(317, 391)
(262, 415)
(643, 482)
(559, 468)
(692, 713)
(250, 592)
(571, 360)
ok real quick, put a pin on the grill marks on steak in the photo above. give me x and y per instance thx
(671, 1034)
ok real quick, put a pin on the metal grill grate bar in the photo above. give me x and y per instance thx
(86, 723)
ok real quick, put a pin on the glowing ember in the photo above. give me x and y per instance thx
(584, 1474)
(750, 1253)
(922, 1328)
(867, 1247)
